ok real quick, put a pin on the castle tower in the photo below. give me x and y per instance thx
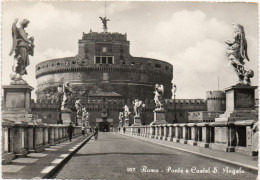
(216, 101)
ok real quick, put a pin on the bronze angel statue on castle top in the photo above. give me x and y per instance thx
(237, 54)
(22, 47)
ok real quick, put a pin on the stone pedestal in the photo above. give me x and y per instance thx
(87, 124)
(79, 120)
(17, 98)
(240, 104)
(126, 122)
(137, 121)
(159, 117)
(17, 103)
(66, 117)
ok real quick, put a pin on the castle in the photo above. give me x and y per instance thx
(105, 77)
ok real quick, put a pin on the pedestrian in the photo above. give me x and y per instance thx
(96, 132)
(124, 129)
(83, 130)
(70, 130)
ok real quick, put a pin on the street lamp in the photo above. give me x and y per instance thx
(60, 92)
(174, 91)
(143, 105)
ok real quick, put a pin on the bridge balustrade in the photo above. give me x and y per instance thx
(160, 135)
(166, 132)
(152, 132)
(224, 136)
(176, 137)
(21, 138)
(170, 135)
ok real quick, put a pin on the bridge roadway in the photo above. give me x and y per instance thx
(115, 156)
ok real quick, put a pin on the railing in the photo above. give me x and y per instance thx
(224, 136)
(20, 138)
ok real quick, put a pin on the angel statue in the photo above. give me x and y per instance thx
(22, 47)
(121, 116)
(137, 107)
(85, 115)
(65, 89)
(78, 106)
(237, 53)
(126, 112)
(104, 21)
(158, 98)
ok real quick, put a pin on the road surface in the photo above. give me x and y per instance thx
(115, 156)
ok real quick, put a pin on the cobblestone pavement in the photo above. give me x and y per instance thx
(120, 157)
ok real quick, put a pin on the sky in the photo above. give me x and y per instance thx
(189, 35)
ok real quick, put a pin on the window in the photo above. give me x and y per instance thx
(157, 65)
(123, 62)
(98, 60)
(104, 49)
(104, 60)
(166, 67)
(149, 64)
(110, 60)
(133, 63)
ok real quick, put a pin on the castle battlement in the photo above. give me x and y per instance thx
(108, 36)
(149, 103)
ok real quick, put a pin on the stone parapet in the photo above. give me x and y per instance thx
(224, 136)
(21, 138)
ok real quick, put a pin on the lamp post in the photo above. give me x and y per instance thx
(174, 95)
(143, 105)
(60, 92)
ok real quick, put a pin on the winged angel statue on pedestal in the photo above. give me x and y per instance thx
(22, 47)
(78, 106)
(137, 107)
(237, 53)
(66, 91)
(126, 112)
(158, 98)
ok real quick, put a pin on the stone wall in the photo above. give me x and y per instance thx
(48, 109)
